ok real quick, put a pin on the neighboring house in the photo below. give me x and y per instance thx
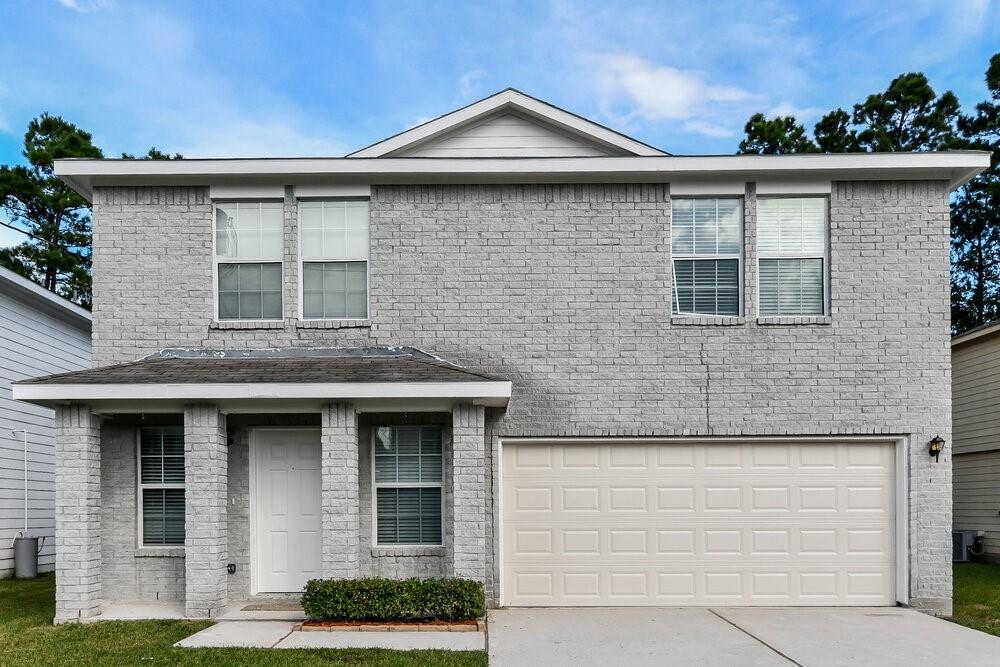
(40, 333)
(468, 350)
(975, 395)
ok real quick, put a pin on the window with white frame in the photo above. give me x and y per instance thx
(408, 470)
(791, 251)
(334, 252)
(249, 242)
(706, 256)
(161, 486)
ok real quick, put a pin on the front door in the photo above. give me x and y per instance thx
(288, 520)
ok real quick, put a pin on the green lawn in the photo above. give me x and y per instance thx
(977, 596)
(27, 637)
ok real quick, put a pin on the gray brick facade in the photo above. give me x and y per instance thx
(340, 504)
(467, 538)
(565, 290)
(78, 513)
(206, 462)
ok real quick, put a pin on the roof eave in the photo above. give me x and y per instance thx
(955, 167)
(492, 393)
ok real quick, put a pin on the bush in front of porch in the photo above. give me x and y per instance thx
(379, 599)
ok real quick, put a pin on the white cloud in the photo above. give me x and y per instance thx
(84, 6)
(799, 113)
(470, 83)
(661, 92)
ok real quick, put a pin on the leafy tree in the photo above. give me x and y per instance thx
(774, 136)
(907, 116)
(153, 154)
(834, 134)
(975, 219)
(56, 255)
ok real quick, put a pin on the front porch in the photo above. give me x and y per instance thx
(168, 500)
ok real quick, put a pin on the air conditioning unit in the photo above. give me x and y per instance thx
(962, 543)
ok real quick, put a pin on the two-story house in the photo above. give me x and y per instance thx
(512, 345)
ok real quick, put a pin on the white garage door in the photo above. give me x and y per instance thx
(701, 524)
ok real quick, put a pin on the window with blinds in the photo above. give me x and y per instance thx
(248, 252)
(161, 486)
(335, 253)
(705, 256)
(408, 470)
(791, 251)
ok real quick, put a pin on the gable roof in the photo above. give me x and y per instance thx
(579, 137)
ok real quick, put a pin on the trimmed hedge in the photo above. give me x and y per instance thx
(379, 599)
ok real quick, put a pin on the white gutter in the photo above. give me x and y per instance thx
(491, 393)
(956, 167)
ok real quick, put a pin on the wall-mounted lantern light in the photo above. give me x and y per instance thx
(936, 445)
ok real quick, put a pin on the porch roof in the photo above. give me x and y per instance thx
(374, 377)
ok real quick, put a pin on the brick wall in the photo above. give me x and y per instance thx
(566, 291)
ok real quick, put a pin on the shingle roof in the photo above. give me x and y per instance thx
(275, 366)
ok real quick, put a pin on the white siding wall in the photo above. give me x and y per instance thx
(506, 135)
(33, 342)
(976, 431)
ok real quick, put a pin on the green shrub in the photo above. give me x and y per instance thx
(378, 599)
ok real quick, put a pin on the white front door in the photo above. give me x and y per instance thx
(288, 520)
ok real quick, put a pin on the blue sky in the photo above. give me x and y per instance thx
(295, 77)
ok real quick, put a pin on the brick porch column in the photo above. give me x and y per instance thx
(206, 462)
(467, 546)
(78, 513)
(341, 509)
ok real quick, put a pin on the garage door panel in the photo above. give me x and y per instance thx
(791, 524)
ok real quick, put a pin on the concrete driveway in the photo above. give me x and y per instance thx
(629, 637)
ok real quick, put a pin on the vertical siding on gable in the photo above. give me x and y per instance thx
(32, 343)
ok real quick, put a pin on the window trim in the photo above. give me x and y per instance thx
(404, 485)
(216, 260)
(825, 257)
(738, 256)
(302, 262)
(140, 486)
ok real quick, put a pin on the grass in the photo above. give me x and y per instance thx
(27, 637)
(977, 597)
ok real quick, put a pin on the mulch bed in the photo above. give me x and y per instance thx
(394, 626)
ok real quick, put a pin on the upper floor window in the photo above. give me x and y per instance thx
(791, 250)
(248, 254)
(334, 253)
(706, 256)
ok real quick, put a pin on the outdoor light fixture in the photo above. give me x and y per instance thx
(936, 445)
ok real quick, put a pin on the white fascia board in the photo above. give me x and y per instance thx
(956, 167)
(987, 329)
(507, 99)
(490, 392)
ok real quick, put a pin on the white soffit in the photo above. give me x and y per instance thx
(524, 105)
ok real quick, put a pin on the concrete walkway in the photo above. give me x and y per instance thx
(281, 634)
(808, 637)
